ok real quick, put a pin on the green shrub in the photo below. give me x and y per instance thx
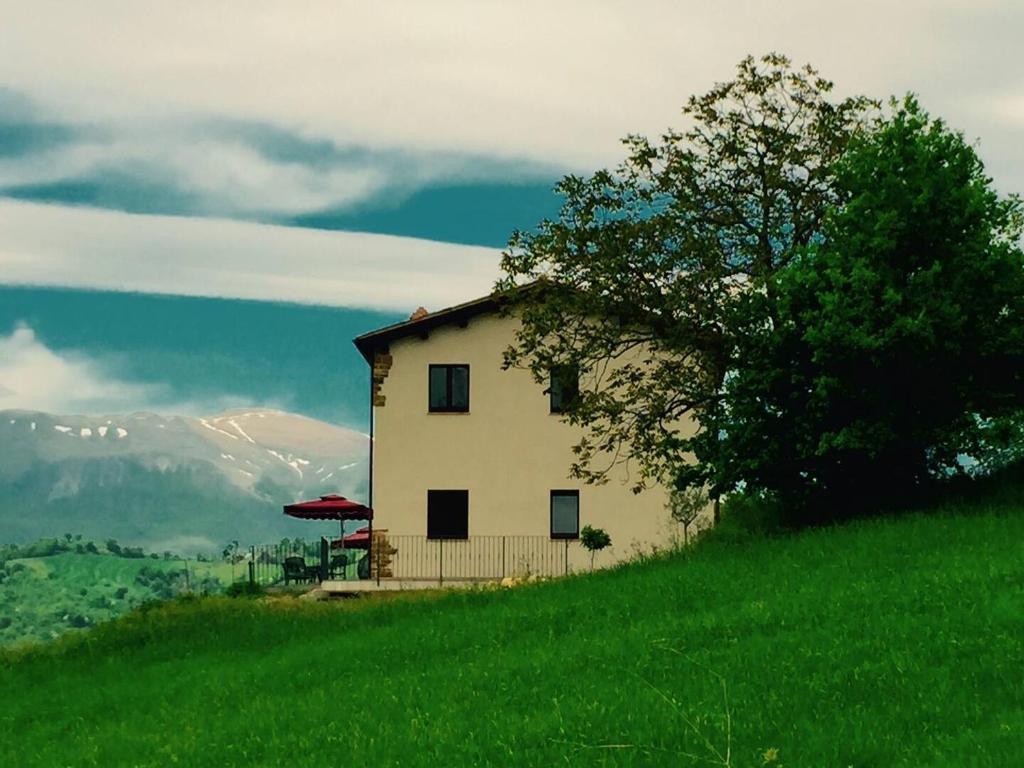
(149, 604)
(594, 540)
(42, 548)
(745, 515)
(245, 589)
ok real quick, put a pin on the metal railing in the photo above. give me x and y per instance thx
(409, 558)
(478, 558)
(266, 562)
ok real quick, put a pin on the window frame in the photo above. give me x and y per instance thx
(551, 514)
(448, 407)
(464, 491)
(565, 404)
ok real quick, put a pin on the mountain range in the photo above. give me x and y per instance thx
(178, 483)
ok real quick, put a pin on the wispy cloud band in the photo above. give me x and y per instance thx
(55, 245)
(283, 115)
(218, 166)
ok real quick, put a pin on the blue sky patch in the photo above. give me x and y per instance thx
(472, 214)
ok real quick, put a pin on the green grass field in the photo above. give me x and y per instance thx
(896, 642)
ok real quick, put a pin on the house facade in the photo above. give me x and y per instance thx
(464, 450)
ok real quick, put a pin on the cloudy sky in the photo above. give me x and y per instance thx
(377, 155)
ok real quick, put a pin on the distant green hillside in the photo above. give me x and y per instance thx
(42, 598)
(897, 642)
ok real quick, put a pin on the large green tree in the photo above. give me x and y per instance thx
(639, 284)
(895, 348)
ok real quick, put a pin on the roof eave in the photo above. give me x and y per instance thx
(368, 343)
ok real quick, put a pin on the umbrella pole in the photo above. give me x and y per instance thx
(344, 568)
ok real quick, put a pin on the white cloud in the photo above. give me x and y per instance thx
(34, 377)
(547, 83)
(225, 177)
(223, 170)
(560, 82)
(1010, 108)
(234, 178)
(77, 247)
(37, 377)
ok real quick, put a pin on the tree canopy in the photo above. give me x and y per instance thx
(896, 341)
(662, 248)
(685, 283)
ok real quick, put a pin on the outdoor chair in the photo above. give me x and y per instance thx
(295, 569)
(338, 564)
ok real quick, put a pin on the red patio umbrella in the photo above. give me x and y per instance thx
(334, 507)
(358, 540)
(329, 507)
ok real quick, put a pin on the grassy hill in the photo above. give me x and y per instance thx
(892, 642)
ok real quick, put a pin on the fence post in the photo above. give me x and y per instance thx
(440, 563)
(566, 557)
(503, 557)
(252, 566)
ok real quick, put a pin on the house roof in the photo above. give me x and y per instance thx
(459, 314)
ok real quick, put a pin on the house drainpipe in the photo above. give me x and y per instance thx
(369, 492)
(325, 550)
(344, 568)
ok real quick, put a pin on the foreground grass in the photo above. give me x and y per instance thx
(897, 642)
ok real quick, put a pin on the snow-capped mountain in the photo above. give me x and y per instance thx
(173, 482)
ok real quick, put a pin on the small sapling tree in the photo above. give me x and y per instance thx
(594, 540)
(685, 506)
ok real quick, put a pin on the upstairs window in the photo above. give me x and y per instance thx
(449, 389)
(565, 387)
(447, 514)
(565, 514)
